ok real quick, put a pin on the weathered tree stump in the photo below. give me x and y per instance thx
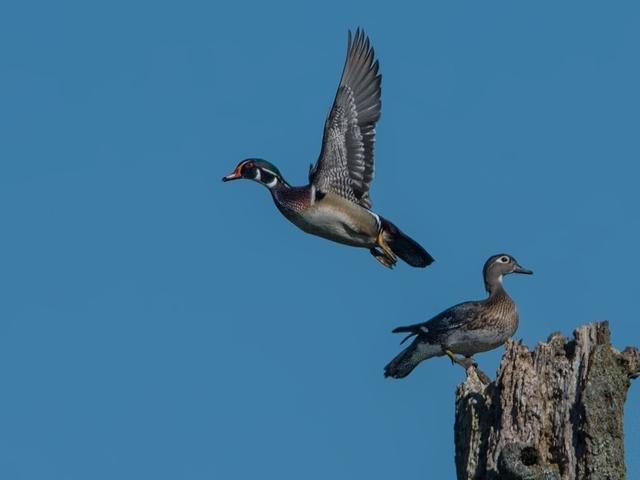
(554, 413)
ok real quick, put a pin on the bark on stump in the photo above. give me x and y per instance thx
(555, 413)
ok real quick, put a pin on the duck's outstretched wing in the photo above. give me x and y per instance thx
(345, 165)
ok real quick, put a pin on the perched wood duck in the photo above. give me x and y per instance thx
(336, 203)
(467, 328)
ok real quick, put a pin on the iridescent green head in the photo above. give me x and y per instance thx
(258, 170)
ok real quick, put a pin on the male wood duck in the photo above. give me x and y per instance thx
(467, 328)
(336, 204)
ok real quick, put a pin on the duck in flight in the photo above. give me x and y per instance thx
(467, 328)
(336, 204)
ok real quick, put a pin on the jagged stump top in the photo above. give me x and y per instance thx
(552, 413)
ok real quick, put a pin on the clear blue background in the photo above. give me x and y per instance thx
(157, 323)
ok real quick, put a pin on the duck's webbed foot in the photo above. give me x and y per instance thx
(383, 252)
(383, 258)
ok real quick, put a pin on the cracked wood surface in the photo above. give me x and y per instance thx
(552, 413)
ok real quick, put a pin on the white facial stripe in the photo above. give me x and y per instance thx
(257, 177)
(273, 182)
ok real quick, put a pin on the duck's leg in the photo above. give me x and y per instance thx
(467, 363)
(463, 363)
(381, 243)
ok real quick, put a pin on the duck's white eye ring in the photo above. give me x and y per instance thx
(503, 259)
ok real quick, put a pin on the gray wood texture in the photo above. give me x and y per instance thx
(552, 413)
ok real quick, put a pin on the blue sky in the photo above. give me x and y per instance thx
(157, 323)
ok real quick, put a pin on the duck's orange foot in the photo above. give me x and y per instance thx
(383, 258)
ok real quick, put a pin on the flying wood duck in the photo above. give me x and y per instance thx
(336, 204)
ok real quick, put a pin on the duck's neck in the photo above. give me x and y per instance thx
(271, 181)
(494, 287)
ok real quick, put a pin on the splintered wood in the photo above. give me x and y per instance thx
(552, 413)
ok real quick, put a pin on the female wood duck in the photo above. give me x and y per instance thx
(467, 328)
(336, 203)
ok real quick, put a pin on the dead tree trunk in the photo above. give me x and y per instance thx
(554, 413)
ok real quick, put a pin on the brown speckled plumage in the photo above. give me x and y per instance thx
(497, 311)
(467, 328)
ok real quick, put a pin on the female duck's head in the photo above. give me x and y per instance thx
(497, 267)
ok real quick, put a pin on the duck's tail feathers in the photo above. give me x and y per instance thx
(404, 246)
(404, 363)
(410, 329)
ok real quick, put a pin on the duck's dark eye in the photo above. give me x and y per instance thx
(504, 259)
(249, 171)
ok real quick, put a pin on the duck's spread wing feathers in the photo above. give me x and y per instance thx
(345, 165)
